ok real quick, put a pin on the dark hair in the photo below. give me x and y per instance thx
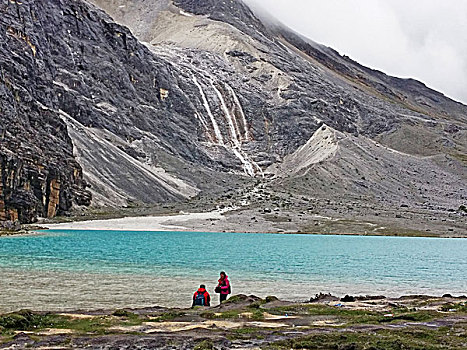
(202, 286)
(223, 273)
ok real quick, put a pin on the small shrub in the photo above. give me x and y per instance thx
(270, 299)
(258, 315)
(460, 307)
(124, 313)
(25, 320)
(168, 316)
(204, 345)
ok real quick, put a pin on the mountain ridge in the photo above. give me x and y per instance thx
(206, 98)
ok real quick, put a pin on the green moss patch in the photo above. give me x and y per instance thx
(458, 307)
(414, 339)
(204, 345)
(167, 316)
(26, 320)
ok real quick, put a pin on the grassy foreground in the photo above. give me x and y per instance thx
(417, 322)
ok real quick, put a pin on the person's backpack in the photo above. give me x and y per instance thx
(200, 300)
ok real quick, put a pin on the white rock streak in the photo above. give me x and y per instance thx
(217, 132)
(231, 121)
(249, 166)
(242, 114)
(186, 14)
(237, 133)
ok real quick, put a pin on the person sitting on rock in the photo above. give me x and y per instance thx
(201, 297)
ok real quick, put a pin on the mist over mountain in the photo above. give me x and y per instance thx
(401, 38)
(119, 104)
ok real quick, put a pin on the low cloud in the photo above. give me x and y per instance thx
(425, 40)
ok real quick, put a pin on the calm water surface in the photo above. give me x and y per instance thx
(107, 269)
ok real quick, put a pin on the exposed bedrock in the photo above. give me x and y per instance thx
(187, 98)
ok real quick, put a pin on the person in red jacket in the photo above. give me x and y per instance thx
(223, 287)
(201, 297)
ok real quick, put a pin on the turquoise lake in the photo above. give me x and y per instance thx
(67, 270)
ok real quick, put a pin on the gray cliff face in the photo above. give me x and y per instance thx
(38, 174)
(205, 97)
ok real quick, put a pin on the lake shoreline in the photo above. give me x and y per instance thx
(368, 301)
(228, 220)
(57, 227)
(249, 322)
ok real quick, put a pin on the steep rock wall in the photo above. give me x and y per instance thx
(38, 174)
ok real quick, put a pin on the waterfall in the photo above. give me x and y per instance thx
(215, 126)
(247, 165)
(205, 125)
(235, 133)
(242, 114)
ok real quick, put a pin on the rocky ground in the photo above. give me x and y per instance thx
(248, 322)
(262, 207)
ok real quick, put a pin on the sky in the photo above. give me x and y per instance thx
(425, 40)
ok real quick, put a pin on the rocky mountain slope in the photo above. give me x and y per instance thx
(196, 99)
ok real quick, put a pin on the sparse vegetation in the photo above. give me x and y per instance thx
(451, 307)
(204, 345)
(355, 316)
(167, 316)
(341, 327)
(26, 320)
(129, 318)
(381, 339)
(246, 333)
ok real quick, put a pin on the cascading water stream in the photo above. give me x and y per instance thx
(248, 165)
(234, 132)
(238, 129)
(242, 114)
(215, 126)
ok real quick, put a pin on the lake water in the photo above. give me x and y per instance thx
(68, 270)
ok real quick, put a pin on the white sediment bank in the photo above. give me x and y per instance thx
(179, 222)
